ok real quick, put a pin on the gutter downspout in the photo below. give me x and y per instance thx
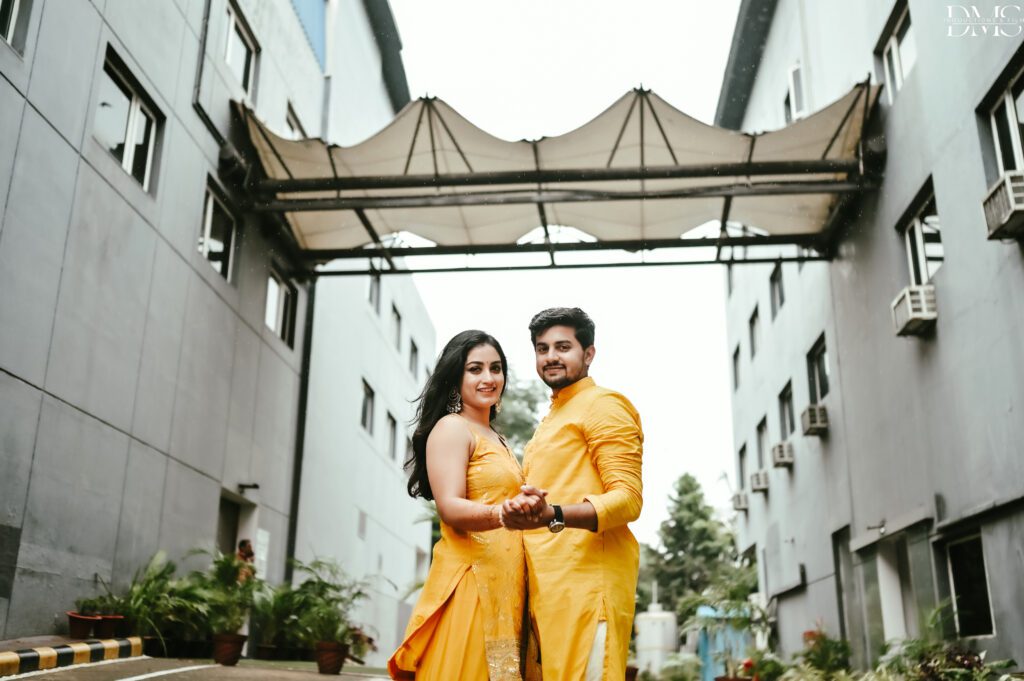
(300, 432)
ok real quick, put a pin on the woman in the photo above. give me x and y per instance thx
(466, 625)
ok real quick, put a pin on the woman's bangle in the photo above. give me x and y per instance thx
(501, 515)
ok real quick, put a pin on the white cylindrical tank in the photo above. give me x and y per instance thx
(656, 638)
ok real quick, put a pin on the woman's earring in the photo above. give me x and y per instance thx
(454, 401)
(497, 407)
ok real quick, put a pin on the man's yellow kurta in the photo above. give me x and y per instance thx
(588, 447)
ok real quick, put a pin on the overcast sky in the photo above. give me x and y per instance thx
(533, 68)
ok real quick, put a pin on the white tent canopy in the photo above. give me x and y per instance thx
(641, 171)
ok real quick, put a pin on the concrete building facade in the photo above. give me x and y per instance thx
(151, 331)
(914, 494)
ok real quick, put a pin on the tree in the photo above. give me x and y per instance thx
(697, 550)
(520, 412)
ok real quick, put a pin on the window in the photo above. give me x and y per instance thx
(392, 436)
(125, 125)
(762, 442)
(367, 415)
(396, 326)
(736, 367)
(279, 315)
(777, 293)
(968, 580)
(9, 14)
(1007, 120)
(923, 238)
(373, 295)
(787, 425)
(793, 105)
(294, 126)
(414, 356)
(899, 53)
(409, 451)
(240, 50)
(817, 371)
(755, 332)
(741, 463)
(218, 238)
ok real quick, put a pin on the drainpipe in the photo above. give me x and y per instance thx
(300, 431)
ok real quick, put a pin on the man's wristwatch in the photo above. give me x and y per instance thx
(557, 523)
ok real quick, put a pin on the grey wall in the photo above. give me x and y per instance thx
(136, 385)
(922, 428)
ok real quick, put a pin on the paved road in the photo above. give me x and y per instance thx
(144, 668)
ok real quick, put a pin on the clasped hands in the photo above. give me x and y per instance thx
(526, 511)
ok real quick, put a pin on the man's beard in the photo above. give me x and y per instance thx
(566, 379)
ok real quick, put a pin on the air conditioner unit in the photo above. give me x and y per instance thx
(913, 311)
(1004, 207)
(739, 501)
(759, 481)
(815, 420)
(782, 455)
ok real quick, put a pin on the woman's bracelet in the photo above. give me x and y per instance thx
(500, 515)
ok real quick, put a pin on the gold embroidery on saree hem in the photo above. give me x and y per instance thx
(503, 660)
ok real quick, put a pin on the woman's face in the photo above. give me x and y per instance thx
(482, 377)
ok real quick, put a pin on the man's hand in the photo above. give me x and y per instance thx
(526, 511)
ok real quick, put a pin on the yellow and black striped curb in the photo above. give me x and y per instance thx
(47, 657)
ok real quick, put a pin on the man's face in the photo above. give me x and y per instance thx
(561, 360)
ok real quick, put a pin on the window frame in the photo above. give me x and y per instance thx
(414, 356)
(392, 436)
(762, 442)
(396, 321)
(741, 465)
(285, 313)
(787, 414)
(952, 584)
(896, 77)
(776, 291)
(1006, 100)
(754, 329)
(368, 407)
(235, 22)
(138, 106)
(795, 77)
(8, 35)
(820, 348)
(915, 242)
(373, 293)
(212, 196)
(296, 130)
(736, 368)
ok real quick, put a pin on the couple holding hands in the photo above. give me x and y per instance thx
(534, 576)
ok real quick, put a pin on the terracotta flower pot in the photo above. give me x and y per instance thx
(266, 651)
(80, 626)
(107, 626)
(330, 656)
(631, 673)
(227, 648)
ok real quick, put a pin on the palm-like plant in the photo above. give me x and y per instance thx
(324, 601)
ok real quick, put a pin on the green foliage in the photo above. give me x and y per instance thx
(680, 667)
(824, 653)
(229, 587)
(324, 601)
(520, 412)
(765, 666)
(697, 553)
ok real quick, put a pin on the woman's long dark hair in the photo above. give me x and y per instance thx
(433, 401)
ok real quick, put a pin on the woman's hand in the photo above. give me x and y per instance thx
(527, 510)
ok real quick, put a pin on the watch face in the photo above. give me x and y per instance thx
(556, 526)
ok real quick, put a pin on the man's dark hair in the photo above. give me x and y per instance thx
(564, 316)
(242, 543)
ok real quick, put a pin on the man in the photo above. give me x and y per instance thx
(246, 556)
(586, 454)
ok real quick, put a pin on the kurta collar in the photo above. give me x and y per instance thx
(570, 391)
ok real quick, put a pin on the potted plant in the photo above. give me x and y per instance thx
(271, 612)
(82, 619)
(324, 600)
(230, 585)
